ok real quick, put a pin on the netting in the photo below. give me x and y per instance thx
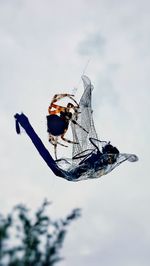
(88, 160)
(85, 118)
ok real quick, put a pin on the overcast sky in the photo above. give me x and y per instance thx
(44, 49)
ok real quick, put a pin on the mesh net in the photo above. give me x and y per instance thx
(87, 160)
(85, 118)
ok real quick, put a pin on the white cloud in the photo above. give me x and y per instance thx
(93, 45)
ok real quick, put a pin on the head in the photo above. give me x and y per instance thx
(108, 148)
(70, 105)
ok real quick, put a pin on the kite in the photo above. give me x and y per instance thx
(91, 158)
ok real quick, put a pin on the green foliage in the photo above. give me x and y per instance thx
(26, 241)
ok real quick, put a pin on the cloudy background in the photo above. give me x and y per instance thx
(44, 48)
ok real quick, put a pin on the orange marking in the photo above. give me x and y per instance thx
(57, 107)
